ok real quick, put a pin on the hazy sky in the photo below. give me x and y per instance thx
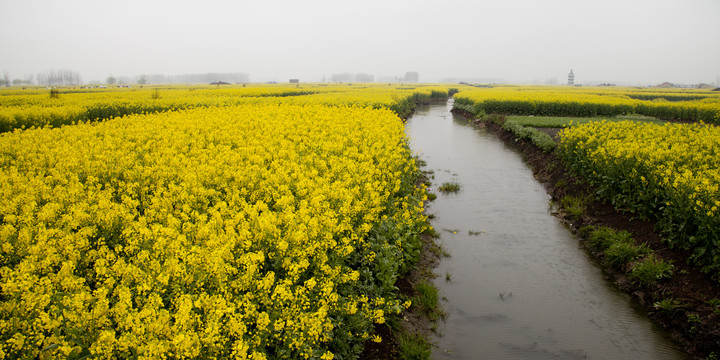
(621, 41)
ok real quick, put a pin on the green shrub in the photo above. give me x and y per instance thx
(573, 205)
(650, 270)
(668, 304)
(603, 237)
(621, 253)
(540, 139)
(427, 297)
(413, 347)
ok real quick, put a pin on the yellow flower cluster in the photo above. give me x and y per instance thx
(35, 108)
(252, 232)
(670, 172)
(697, 105)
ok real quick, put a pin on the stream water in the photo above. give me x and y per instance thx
(517, 283)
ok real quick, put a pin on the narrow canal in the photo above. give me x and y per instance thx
(517, 283)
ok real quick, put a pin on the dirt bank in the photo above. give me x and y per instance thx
(414, 326)
(694, 318)
(413, 322)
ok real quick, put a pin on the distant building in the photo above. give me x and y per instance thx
(294, 81)
(571, 78)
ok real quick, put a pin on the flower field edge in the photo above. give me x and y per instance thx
(666, 172)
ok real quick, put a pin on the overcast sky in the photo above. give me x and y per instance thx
(621, 41)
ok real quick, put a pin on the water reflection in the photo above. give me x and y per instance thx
(521, 287)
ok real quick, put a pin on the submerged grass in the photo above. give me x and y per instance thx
(450, 187)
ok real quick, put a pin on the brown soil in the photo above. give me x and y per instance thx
(553, 132)
(692, 289)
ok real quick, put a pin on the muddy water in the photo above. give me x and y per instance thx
(517, 284)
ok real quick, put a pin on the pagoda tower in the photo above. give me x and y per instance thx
(571, 78)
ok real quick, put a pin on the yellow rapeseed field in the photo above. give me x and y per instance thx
(263, 230)
(669, 172)
(34, 107)
(37, 108)
(695, 105)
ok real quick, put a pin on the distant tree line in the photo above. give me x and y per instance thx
(59, 78)
(49, 78)
(194, 78)
(27, 80)
(72, 78)
(410, 76)
(348, 77)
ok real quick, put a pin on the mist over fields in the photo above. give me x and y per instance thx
(521, 41)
